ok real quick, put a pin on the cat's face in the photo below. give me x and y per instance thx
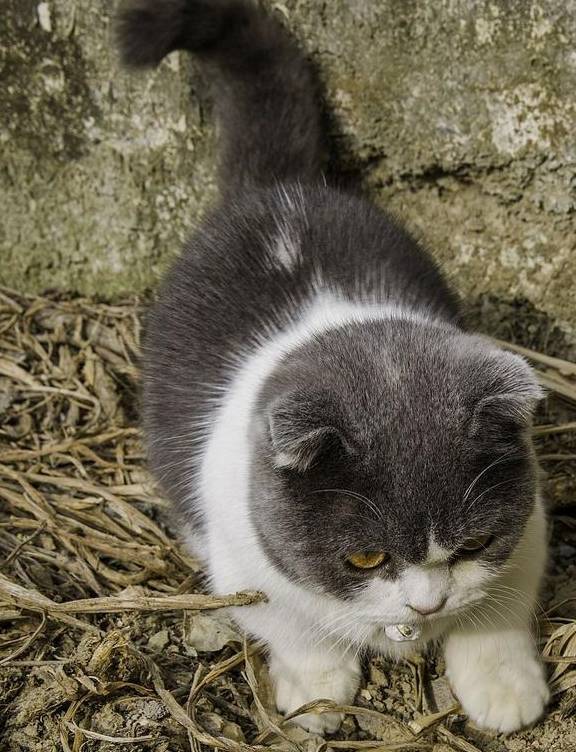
(393, 468)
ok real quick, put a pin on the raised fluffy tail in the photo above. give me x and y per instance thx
(263, 87)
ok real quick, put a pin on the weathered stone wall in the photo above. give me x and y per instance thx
(461, 114)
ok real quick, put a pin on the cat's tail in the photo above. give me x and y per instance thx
(264, 88)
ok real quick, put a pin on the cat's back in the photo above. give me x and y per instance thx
(250, 273)
(256, 260)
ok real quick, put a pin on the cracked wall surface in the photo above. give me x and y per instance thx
(460, 115)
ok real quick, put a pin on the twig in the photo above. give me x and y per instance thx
(105, 738)
(565, 367)
(21, 545)
(21, 596)
(23, 648)
(455, 741)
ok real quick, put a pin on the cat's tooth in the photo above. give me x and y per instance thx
(402, 632)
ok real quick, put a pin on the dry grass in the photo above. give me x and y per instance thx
(107, 638)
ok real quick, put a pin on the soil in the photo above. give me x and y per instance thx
(103, 646)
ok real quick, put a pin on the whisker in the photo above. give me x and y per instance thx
(508, 456)
(516, 479)
(360, 497)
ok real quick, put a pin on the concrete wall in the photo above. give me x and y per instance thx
(460, 113)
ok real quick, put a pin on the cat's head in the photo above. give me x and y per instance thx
(394, 467)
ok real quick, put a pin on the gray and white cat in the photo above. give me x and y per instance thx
(328, 431)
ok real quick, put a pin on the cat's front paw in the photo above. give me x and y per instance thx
(296, 687)
(501, 695)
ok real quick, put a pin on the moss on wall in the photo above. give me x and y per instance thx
(460, 113)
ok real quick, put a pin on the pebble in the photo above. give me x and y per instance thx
(158, 641)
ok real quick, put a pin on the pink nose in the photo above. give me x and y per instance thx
(427, 611)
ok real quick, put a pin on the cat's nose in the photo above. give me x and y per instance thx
(427, 611)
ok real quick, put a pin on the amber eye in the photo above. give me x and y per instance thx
(472, 545)
(366, 559)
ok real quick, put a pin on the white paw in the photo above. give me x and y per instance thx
(295, 688)
(503, 697)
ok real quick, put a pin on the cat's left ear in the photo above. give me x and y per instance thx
(513, 393)
(303, 429)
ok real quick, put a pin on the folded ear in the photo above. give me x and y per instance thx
(512, 394)
(303, 428)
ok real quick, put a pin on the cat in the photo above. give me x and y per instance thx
(326, 427)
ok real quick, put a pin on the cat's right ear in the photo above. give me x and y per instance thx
(512, 394)
(303, 429)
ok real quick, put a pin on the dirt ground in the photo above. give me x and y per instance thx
(108, 640)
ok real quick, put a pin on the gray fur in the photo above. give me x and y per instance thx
(401, 416)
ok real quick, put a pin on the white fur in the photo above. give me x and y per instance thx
(296, 684)
(286, 249)
(314, 638)
(436, 552)
(492, 660)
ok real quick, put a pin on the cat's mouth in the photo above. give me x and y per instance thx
(406, 629)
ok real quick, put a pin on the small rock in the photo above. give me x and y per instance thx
(233, 731)
(384, 728)
(154, 710)
(158, 641)
(442, 697)
(304, 739)
(405, 688)
(212, 722)
(208, 634)
(378, 676)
